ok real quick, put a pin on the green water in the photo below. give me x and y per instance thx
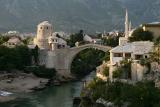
(56, 96)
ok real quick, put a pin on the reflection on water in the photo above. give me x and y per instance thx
(60, 96)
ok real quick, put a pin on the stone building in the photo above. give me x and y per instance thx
(44, 31)
(152, 27)
(134, 51)
(45, 38)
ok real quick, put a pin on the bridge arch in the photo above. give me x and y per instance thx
(75, 50)
(62, 59)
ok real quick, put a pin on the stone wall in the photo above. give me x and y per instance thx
(100, 69)
(137, 71)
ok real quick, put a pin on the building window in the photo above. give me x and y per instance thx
(41, 28)
(138, 57)
(118, 54)
(47, 27)
(145, 56)
(127, 55)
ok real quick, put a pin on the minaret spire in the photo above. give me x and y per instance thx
(126, 25)
(130, 26)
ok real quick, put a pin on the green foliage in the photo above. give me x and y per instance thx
(106, 57)
(155, 54)
(124, 70)
(86, 61)
(35, 53)
(141, 94)
(27, 40)
(3, 39)
(141, 35)
(117, 73)
(14, 58)
(17, 58)
(106, 71)
(77, 37)
(111, 41)
(41, 71)
(157, 41)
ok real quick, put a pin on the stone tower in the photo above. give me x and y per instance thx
(44, 31)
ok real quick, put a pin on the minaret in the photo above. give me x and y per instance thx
(130, 26)
(124, 40)
(126, 25)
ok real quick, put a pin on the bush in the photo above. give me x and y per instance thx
(41, 71)
(117, 73)
(141, 35)
(111, 41)
(141, 94)
(123, 71)
(14, 58)
(106, 71)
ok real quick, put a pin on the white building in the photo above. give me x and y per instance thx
(62, 34)
(56, 43)
(134, 51)
(87, 38)
(12, 33)
(13, 41)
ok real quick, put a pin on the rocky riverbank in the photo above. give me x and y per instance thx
(19, 83)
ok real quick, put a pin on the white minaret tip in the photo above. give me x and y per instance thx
(126, 25)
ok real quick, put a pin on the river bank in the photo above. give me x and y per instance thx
(19, 83)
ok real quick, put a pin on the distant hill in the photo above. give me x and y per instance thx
(73, 15)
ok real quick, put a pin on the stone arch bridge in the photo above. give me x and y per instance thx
(61, 59)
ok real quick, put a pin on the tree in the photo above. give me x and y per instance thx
(77, 37)
(106, 71)
(3, 39)
(86, 61)
(141, 35)
(111, 41)
(155, 54)
(27, 40)
(124, 70)
(140, 94)
(14, 58)
(35, 53)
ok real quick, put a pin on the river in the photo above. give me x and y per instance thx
(56, 96)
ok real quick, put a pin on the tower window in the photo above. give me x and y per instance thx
(146, 56)
(41, 27)
(47, 27)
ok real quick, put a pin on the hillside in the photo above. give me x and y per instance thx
(73, 15)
